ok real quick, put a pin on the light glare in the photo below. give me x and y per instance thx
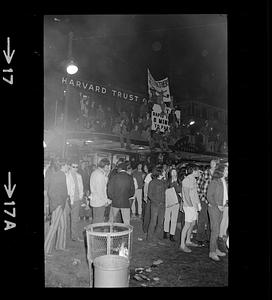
(72, 69)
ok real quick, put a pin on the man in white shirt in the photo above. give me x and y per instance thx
(75, 192)
(98, 188)
(147, 211)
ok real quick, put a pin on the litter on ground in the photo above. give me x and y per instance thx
(76, 261)
(157, 262)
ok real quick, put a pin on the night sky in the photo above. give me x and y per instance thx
(191, 50)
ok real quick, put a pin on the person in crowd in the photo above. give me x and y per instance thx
(165, 140)
(145, 170)
(143, 108)
(140, 124)
(223, 233)
(114, 170)
(132, 199)
(76, 195)
(191, 205)
(120, 189)
(139, 175)
(147, 122)
(100, 114)
(156, 194)
(217, 196)
(173, 200)
(109, 117)
(146, 202)
(203, 223)
(98, 188)
(85, 211)
(135, 133)
(124, 134)
(165, 171)
(57, 193)
(181, 216)
(48, 166)
(146, 136)
(155, 138)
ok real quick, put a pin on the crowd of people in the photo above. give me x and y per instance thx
(134, 123)
(158, 195)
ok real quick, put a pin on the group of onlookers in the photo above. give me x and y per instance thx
(134, 123)
(63, 191)
(160, 196)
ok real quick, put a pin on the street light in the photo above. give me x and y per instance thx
(71, 69)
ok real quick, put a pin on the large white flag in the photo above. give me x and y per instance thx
(158, 87)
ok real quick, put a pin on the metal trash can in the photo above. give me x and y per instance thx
(111, 271)
(107, 239)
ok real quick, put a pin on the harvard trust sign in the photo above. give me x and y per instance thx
(94, 88)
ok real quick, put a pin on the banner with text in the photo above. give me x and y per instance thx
(158, 87)
(159, 118)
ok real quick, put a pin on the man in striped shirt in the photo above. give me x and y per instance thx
(203, 224)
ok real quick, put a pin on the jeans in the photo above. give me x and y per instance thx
(225, 222)
(56, 235)
(147, 214)
(203, 234)
(74, 213)
(171, 216)
(156, 222)
(98, 214)
(125, 214)
(138, 198)
(215, 220)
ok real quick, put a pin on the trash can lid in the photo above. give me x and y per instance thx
(111, 262)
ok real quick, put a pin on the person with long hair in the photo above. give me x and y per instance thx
(173, 201)
(217, 196)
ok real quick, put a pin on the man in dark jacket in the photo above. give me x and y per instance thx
(55, 188)
(156, 194)
(120, 189)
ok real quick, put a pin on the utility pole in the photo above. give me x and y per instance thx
(66, 96)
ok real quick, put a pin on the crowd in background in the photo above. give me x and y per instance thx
(159, 195)
(132, 122)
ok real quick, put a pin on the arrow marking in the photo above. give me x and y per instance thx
(7, 55)
(9, 190)
(9, 81)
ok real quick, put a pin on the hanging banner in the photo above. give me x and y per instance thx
(160, 118)
(158, 88)
(104, 90)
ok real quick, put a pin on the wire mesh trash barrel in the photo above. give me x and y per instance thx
(108, 239)
(111, 271)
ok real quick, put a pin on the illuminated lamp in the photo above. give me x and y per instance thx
(71, 67)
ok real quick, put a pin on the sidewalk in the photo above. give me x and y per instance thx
(178, 269)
